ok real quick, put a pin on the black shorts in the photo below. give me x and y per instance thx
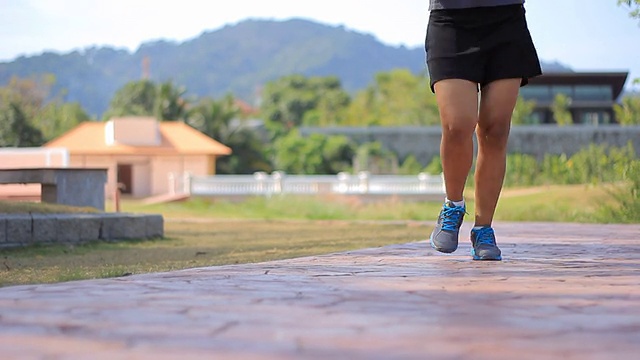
(481, 45)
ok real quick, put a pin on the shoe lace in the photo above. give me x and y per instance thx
(452, 217)
(485, 236)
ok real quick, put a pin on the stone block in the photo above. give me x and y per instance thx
(44, 228)
(154, 226)
(69, 228)
(88, 226)
(136, 226)
(18, 229)
(113, 227)
(3, 230)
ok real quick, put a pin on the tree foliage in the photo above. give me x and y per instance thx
(522, 113)
(628, 111)
(215, 118)
(375, 158)
(633, 6)
(15, 129)
(28, 106)
(164, 101)
(395, 98)
(297, 100)
(57, 118)
(560, 110)
(315, 154)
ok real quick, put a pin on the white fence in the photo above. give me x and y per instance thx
(261, 184)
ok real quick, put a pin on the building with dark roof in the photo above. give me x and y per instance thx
(592, 95)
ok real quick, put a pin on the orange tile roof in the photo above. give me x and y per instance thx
(177, 138)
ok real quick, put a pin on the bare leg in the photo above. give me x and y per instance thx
(458, 106)
(497, 102)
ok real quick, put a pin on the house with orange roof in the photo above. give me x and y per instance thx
(144, 157)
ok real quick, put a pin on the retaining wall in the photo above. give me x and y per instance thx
(26, 229)
(424, 141)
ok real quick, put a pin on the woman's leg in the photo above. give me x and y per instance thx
(497, 102)
(458, 106)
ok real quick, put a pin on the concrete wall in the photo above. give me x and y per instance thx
(424, 142)
(197, 165)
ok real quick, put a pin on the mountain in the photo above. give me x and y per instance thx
(236, 59)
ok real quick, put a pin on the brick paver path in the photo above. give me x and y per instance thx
(564, 291)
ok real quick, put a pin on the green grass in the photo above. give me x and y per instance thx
(26, 207)
(203, 232)
(576, 203)
(198, 244)
(290, 208)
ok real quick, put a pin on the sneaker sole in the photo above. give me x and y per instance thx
(445, 251)
(478, 258)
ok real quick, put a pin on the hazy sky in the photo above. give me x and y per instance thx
(584, 34)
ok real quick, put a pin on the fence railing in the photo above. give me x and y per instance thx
(262, 184)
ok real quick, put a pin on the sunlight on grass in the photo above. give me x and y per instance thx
(198, 244)
(204, 232)
(26, 207)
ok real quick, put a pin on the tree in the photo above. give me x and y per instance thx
(633, 6)
(163, 101)
(634, 11)
(374, 158)
(397, 97)
(56, 118)
(523, 111)
(628, 111)
(216, 118)
(29, 94)
(295, 100)
(15, 129)
(315, 154)
(29, 101)
(560, 110)
(170, 103)
(410, 166)
(136, 98)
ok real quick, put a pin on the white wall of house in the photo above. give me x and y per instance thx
(150, 174)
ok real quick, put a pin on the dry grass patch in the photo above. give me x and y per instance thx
(27, 207)
(199, 244)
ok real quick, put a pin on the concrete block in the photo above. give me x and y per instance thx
(44, 228)
(113, 227)
(155, 226)
(77, 187)
(18, 229)
(136, 226)
(3, 230)
(88, 226)
(68, 228)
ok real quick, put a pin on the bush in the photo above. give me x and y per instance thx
(627, 199)
(593, 165)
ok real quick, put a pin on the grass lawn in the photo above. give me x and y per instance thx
(196, 244)
(207, 233)
(575, 203)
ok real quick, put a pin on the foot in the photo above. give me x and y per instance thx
(444, 237)
(484, 245)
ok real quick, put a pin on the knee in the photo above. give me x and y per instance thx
(494, 134)
(458, 129)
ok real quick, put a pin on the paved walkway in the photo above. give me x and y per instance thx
(564, 291)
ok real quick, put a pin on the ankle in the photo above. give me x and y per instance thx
(458, 203)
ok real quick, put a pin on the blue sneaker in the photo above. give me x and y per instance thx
(484, 245)
(444, 237)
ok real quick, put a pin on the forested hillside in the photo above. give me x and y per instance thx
(238, 59)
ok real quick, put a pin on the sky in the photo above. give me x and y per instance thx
(587, 35)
